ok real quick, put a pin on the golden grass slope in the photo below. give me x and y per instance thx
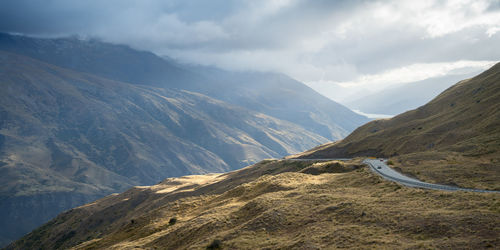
(277, 205)
(454, 139)
(465, 118)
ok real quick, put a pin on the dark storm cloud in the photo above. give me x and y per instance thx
(49, 17)
(319, 40)
(242, 19)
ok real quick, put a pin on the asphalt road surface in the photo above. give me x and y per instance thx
(380, 167)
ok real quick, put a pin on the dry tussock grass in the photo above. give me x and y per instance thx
(289, 209)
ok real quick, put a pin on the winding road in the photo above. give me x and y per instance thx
(380, 167)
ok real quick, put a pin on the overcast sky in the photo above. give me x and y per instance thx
(326, 44)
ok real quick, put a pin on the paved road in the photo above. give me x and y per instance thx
(380, 167)
(318, 159)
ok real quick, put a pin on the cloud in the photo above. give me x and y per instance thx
(415, 72)
(376, 43)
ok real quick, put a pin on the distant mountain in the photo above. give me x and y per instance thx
(453, 139)
(67, 138)
(293, 204)
(465, 118)
(97, 118)
(396, 100)
(270, 93)
(116, 62)
(280, 96)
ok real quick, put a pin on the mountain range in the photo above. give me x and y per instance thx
(82, 119)
(273, 94)
(321, 204)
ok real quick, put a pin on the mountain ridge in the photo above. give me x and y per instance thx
(67, 134)
(465, 101)
(284, 98)
(311, 204)
(451, 140)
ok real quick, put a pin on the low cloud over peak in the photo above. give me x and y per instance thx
(312, 41)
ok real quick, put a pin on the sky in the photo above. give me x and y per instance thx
(337, 47)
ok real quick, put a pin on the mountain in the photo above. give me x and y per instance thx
(454, 138)
(111, 61)
(396, 100)
(276, 204)
(291, 204)
(270, 93)
(280, 96)
(465, 113)
(67, 138)
(80, 119)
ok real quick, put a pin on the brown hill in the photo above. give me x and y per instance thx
(67, 138)
(465, 118)
(276, 205)
(455, 138)
(290, 204)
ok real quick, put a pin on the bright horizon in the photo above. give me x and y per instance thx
(339, 48)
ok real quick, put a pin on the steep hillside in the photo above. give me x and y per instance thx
(67, 138)
(276, 205)
(117, 62)
(458, 133)
(464, 118)
(291, 204)
(280, 96)
(269, 93)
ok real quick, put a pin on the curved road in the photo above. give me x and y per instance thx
(380, 167)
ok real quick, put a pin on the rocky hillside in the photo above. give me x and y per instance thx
(294, 204)
(67, 138)
(276, 205)
(272, 94)
(87, 118)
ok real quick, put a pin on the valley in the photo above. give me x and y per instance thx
(69, 137)
(437, 197)
(264, 124)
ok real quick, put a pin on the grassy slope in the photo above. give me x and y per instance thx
(457, 133)
(67, 134)
(278, 204)
(100, 132)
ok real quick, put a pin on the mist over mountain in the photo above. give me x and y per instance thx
(69, 134)
(221, 124)
(81, 119)
(269, 93)
(396, 100)
(452, 139)
(322, 203)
